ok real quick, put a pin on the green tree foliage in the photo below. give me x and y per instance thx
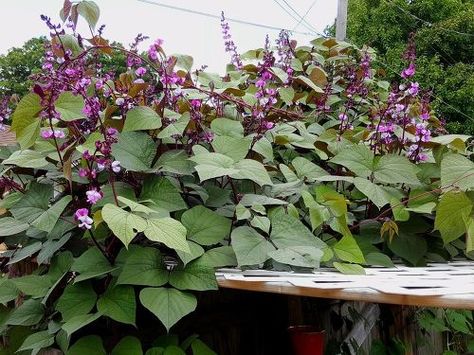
(444, 36)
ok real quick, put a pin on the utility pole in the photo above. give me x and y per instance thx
(341, 22)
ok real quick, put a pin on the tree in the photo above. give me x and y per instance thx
(18, 64)
(443, 33)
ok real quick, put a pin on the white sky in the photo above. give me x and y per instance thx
(183, 33)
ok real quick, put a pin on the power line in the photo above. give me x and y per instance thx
(305, 14)
(429, 24)
(298, 16)
(218, 17)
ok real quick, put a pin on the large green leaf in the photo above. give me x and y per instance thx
(28, 313)
(393, 169)
(298, 256)
(8, 291)
(195, 251)
(249, 246)
(70, 106)
(37, 341)
(26, 159)
(307, 170)
(91, 264)
(359, 159)
(25, 114)
(235, 148)
(28, 136)
(163, 193)
(89, 11)
(212, 165)
(135, 151)
(33, 285)
(141, 118)
(168, 231)
(453, 208)
(376, 193)
(195, 276)
(349, 269)
(175, 162)
(251, 170)
(204, 226)
(288, 231)
(77, 299)
(175, 128)
(167, 304)
(47, 220)
(457, 171)
(10, 226)
(32, 204)
(219, 257)
(347, 249)
(80, 321)
(128, 346)
(123, 224)
(143, 266)
(90, 345)
(227, 127)
(409, 246)
(118, 303)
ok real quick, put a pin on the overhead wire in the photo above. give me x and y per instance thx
(206, 14)
(305, 14)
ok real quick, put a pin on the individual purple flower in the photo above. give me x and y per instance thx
(49, 133)
(119, 101)
(83, 172)
(140, 71)
(112, 132)
(414, 89)
(82, 215)
(116, 166)
(93, 196)
(409, 72)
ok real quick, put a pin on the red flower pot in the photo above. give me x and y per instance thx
(307, 340)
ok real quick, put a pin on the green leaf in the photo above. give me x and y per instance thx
(195, 276)
(10, 226)
(8, 291)
(287, 94)
(378, 259)
(377, 194)
(27, 137)
(123, 224)
(89, 11)
(200, 348)
(235, 148)
(453, 208)
(212, 165)
(32, 204)
(347, 249)
(393, 169)
(249, 246)
(47, 220)
(359, 159)
(307, 170)
(227, 127)
(78, 322)
(77, 299)
(175, 128)
(219, 257)
(33, 285)
(25, 252)
(349, 269)
(249, 200)
(298, 256)
(204, 226)
(457, 171)
(174, 350)
(184, 61)
(70, 106)
(141, 118)
(118, 303)
(26, 159)
(168, 231)
(410, 247)
(195, 251)
(91, 264)
(469, 222)
(167, 304)
(288, 231)
(135, 151)
(309, 83)
(27, 314)
(163, 193)
(143, 266)
(37, 341)
(251, 170)
(128, 346)
(175, 162)
(90, 345)
(26, 113)
(261, 222)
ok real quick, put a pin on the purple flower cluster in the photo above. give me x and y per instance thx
(230, 46)
(5, 112)
(284, 50)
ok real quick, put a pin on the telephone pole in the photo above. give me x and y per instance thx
(341, 22)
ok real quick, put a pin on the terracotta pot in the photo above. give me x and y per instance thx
(307, 340)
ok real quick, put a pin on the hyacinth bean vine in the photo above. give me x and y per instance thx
(126, 190)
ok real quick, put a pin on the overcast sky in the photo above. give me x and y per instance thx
(182, 32)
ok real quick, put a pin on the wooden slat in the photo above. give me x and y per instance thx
(7, 137)
(461, 301)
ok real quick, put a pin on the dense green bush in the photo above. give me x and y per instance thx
(126, 190)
